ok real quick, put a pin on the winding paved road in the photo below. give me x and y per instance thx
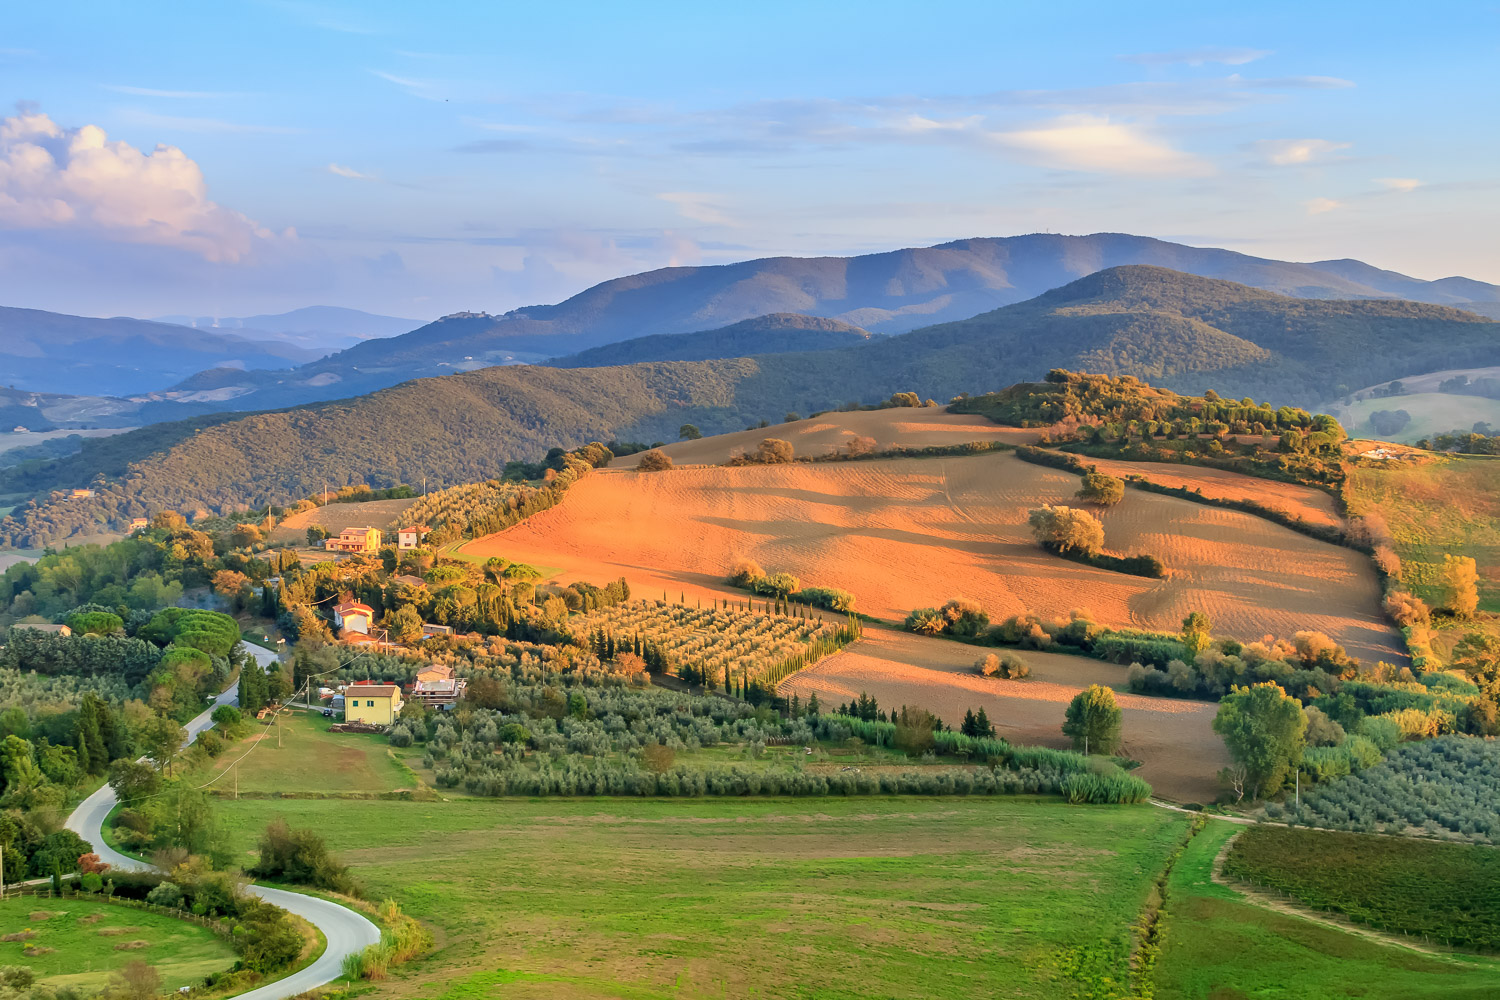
(347, 932)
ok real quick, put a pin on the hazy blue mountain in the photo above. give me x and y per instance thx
(773, 334)
(57, 353)
(320, 328)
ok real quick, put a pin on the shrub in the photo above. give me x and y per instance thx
(1106, 491)
(826, 597)
(772, 451)
(926, 621)
(1066, 529)
(300, 856)
(964, 618)
(1404, 608)
(746, 572)
(1105, 789)
(1006, 665)
(167, 894)
(655, 460)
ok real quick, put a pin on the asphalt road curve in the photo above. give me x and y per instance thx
(346, 931)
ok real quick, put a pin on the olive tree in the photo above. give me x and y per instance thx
(1066, 529)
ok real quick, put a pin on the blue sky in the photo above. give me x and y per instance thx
(241, 157)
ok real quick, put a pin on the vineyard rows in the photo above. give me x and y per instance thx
(722, 642)
(1447, 894)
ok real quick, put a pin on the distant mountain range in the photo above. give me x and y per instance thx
(888, 293)
(1179, 330)
(56, 353)
(777, 333)
(318, 328)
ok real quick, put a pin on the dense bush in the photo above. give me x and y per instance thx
(300, 856)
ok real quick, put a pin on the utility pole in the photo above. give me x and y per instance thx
(1298, 799)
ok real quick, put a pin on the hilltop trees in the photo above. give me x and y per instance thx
(1265, 732)
(1093, 721)
(689, 432)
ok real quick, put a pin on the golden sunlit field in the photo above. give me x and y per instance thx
(900, 533)
(1174, 739)
(1311, 505)
(923, 427)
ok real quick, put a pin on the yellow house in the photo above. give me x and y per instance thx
(354, 540)
(376, 704)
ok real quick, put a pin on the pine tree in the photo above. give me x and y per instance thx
(812, 703)
(968, 724)
(982, 725)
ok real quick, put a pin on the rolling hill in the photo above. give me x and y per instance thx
(885, 293)
(318, 328)
(1178, 330)
(80, 355)
(778, 333)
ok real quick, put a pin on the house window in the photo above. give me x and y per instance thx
(370, 704)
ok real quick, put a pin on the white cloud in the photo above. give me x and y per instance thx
(698, 207)
(1199, 57)
(350, 172)
(1094, 143)
(1317, 206)
(1401, 185)
(1294, 152)
(185, 124)
(52, 178)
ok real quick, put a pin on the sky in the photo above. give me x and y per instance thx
(252, 156)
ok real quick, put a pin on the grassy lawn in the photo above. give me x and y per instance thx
(1218, 947)
(1431, 413)
(84, 939)
(1448, 506)
(868, 897)
(309, 759)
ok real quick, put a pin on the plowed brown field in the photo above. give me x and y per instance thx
(907, 533)
(922, 427)
(1174, 739)
(1311, 505)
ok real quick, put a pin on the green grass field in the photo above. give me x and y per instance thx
(1431, 413)
(1217, 946)
(310, 759)
(83, 936)
(1448, 506)
(871, 897)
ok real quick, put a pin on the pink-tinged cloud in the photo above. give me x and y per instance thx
(52, 178)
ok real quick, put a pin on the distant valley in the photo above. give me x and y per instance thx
(1178, 330)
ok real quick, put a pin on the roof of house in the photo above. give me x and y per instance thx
(446, 685)
(347, 606)
(407, 578)
(45, 627)
(415, 527)
(371, 691)
(358, 532)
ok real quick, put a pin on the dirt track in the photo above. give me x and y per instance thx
(1180, 752)
(908, 533)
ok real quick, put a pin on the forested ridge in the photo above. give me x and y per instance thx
(1180, 331)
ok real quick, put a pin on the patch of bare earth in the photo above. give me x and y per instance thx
(335, 517)
(922, 427)
(1180, 753)
(1305, 502)
(907, 533)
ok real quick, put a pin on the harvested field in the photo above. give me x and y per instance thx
(1309, 504)
(922, 427)
(1180, 753)
(907, 533)
(336, 517)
